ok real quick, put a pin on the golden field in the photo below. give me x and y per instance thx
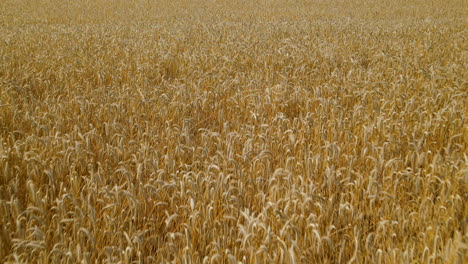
(274, 131)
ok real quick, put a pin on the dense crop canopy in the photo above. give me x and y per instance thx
(211, 131)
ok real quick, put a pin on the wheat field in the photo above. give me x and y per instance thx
(271, 131)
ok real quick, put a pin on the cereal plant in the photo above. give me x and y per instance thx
(215, 131)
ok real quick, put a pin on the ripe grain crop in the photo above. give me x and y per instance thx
(271, 131)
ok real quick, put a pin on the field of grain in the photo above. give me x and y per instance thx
(271, 131)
